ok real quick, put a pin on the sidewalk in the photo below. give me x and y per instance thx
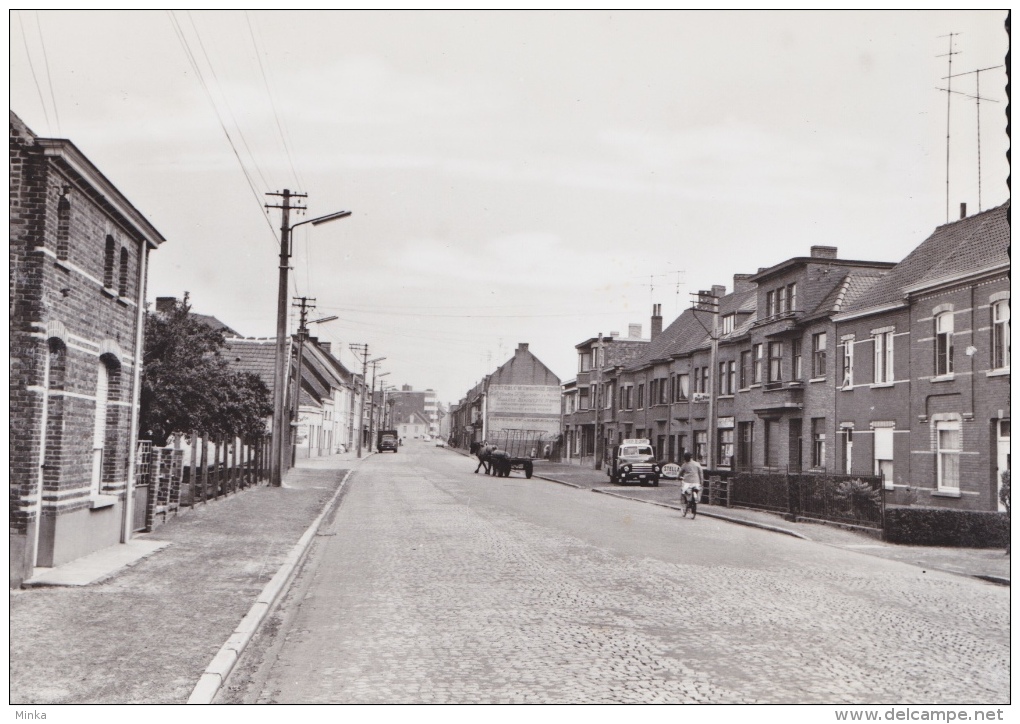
(154, 614)
(986, 563)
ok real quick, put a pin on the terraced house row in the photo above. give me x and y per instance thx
(825, 364)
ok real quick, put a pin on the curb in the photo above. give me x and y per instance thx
(707, 514)
(223, 662)
(997, 580)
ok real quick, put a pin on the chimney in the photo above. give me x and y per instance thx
(165, 304)
(824, 252)
(633, 331)
(614, 335)
(656, 320)
(405, 388)
(522, 347)
(963, 210)
(326, 347)
(718, 290)
(740, 283)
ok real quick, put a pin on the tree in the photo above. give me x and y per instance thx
(187, 385)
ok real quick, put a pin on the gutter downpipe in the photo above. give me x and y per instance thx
(136, 396)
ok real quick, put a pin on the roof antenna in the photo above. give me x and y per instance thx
(977, 97)
(949, 97)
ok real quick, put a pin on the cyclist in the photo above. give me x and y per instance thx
(693, 481)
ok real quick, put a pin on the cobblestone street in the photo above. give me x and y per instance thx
(433, 585)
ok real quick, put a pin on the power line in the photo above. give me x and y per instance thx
(198, 72)
(49, 79)
(35, 79)
(272, 102)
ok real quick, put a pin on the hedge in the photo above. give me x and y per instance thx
(944, 527)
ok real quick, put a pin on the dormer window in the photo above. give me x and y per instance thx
(727, 323)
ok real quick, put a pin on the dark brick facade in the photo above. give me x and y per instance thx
(860, 411)
(77, 252)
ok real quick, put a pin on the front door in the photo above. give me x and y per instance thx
(796, 457)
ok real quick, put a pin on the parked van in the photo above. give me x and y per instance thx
(633, 461)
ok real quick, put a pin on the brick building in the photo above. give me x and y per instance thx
(521, 394)
(407, 400)
(78, 260)
(924, 394)
(599, 359)
(825, 364)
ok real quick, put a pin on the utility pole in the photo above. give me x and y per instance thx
(372, 410)
(280, 372)
(708, 302)
(362, 351)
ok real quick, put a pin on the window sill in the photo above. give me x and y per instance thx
(946, 493)
(725, 397)
(816, 379)
(944, 378)
(101, 501)
(997, 373)
(62, 264)
(123, 301)
(874, 385)
(109, 292)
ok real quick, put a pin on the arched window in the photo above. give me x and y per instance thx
(122, 288)
(56, 376)
(63, 227)
(105, 422)
(108, 262)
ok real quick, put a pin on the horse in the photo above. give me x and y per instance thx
(483, 451)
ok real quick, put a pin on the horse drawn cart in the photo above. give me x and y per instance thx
(515, 450)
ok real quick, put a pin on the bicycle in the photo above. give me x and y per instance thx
(691, 496)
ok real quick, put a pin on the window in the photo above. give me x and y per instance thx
(745, 369)
(731, 377)
(584, 362)
(780, 300)
(99, 426)
(756, 364)
(775, 361)
(583, 398)
(722, 379)
(63, 227)
(791, 296)
(818, 354)
(684, 387)
(745, 438)
(884, 455)
(883, 357)
(640, 396)
(627, 397)
(770, 303)
(653, 392)
(701, 446)
(662, 392)
(726, 448)
(704, 379)
(848, 364)
(122, 287)
(609, 391)
(1000, 334)
(818, 442)
(949, 446)
(944, 344)
(798, 370)
(108, 262)
(727, 323)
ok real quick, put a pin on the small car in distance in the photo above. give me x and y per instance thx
(387, 440)
(634, 461)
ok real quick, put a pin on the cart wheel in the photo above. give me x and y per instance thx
(529, 468)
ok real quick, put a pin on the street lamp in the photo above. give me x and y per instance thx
(280, 371)
(361, 412)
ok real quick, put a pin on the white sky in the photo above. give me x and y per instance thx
(514, 176)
